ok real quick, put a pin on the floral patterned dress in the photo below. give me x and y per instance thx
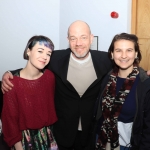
(41, 139)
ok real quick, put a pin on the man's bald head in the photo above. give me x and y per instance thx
(79, 24)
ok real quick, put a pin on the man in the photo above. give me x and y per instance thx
(79, 72)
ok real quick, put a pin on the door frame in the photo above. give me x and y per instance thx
(134, 16)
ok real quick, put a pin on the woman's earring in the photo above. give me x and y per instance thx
(27, 55)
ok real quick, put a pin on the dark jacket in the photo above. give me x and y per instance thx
(69, 105)
(140, 137)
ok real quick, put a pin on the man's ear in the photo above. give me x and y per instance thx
(68, 39)
(91, 38)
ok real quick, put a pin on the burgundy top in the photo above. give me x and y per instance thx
(29, 105)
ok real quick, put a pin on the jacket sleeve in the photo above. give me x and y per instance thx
(10, 118)
(145, 138)
(15, 71)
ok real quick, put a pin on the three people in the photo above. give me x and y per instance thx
(79, 72)
(125, 99)
(28, 109)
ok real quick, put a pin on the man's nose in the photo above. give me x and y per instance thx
(79, 42)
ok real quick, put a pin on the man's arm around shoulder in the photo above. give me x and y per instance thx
(6, 84)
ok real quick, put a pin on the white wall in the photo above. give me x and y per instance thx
(20, 20)
(97, 14)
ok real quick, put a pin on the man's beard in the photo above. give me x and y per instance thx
(80, 57)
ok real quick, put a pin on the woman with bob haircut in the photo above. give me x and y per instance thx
(28, 109)
(124, 102)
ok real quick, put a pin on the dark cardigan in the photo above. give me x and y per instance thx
(140, 137)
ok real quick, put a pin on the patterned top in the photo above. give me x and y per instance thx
(29, 105)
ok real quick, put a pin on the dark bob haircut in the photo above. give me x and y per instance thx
(35, 39)
(129, 37)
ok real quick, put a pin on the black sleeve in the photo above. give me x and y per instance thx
(15, 71)
(145, 138)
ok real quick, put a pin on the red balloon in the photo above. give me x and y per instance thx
(114, 14)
